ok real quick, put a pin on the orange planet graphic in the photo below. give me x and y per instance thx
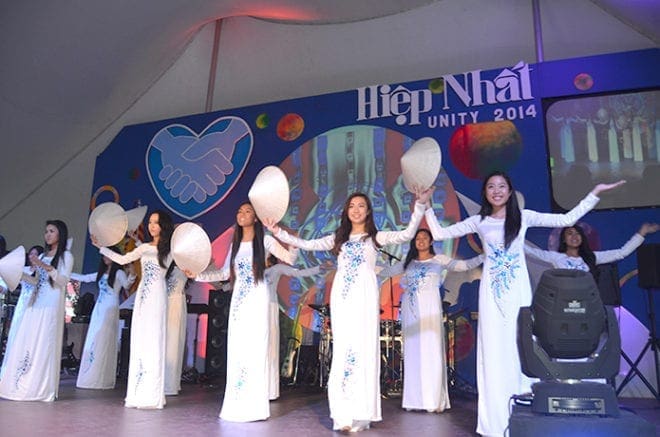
(583, 82)
(290, 127)
(478, 149)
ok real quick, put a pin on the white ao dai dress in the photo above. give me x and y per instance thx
(504, 288)
(247, 389)
(353, 385)
(98, 364)
(26, 293)
(146, 367)
(32, 367)
(425, 371)
(177, 314)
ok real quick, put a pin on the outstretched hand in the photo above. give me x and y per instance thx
(606, 187)
(648, 228)
(271, 225)
(188, 273)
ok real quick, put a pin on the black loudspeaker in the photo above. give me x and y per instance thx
(216, 333)
(648, 266)
(608, 284)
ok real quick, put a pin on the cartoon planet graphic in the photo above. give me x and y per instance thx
(583, 82)
(290, 127)
(478, 149)
(262, 121)
(437, 86)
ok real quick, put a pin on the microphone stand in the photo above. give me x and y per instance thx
(389, 331)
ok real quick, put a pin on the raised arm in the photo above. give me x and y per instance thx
(131, 256)
(568, 219)
(398, 237)
(608, 256)
(467, 226)
(325, 243)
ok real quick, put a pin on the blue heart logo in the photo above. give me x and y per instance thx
(191, 173)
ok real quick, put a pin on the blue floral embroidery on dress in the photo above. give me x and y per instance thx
(244, 283)
(502, 269)
(150, 274)
(42, 274)
(175, 284)
(576, 265)
(42, 280)
(350, 363)
(239, 384)
(90, 359)
(353, 254)
(139, 376)
(104, 289)
(23, 368)
(413, 280)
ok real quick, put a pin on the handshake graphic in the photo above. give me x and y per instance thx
(194, 166)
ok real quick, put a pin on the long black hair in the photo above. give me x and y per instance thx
(584, 250)
(112, 273)
(166, 231)
(63, 236)
(343, 232)
(413, 253)
(258, 252)
(513, 216)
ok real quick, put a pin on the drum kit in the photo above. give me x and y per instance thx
(391, 346)
(391, 349)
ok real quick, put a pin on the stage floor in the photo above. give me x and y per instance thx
(300, 411)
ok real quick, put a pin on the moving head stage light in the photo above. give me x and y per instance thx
(565, 336)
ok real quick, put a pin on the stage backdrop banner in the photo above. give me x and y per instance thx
(557, 128)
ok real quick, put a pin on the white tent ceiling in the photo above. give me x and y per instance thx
(71, 68)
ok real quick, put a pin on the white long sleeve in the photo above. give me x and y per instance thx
(397, 237)
(534, 218)
(608, 256)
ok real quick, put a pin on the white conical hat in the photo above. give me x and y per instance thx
(11, 267)
(420, 164)
(269, 193)
(191, 247)
(108, 223)
(135, 217)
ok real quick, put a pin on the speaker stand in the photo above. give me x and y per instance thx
(653, 344)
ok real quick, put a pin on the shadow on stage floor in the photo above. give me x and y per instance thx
(300, 411)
